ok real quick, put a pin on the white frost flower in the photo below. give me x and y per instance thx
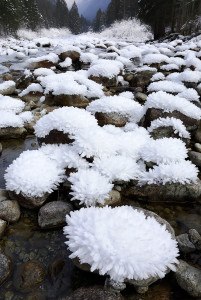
(120, 242)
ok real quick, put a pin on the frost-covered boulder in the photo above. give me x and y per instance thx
(55, 127)
(90, 187)
(45, 61)
(168, 127)
(32, 177)
(7, 87)
(69, 52)
(115, 110)
(126, 255)
(11, 104)
(105, 72)
(162, 104)
(33, 92)
(142, 76)
(168, 192)
(11, 125)
(70, 89)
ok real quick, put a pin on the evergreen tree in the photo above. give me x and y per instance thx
(85, 24)
(61, 14)
(97, 21)
(74, 20)
(34, 18)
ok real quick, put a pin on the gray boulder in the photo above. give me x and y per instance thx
(189, 278)
(195, 238)
(9, 210)
(185, 244)
(174, 192)
(53, 214)
(195, 157)
(5, 267)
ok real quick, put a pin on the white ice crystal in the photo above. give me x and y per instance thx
(66, 63)
(169, 103)
(119, 167)
(183, 172)
(120, 242)
(158, 76)
(11, 104)
(166, 86)
(43, 72)
(64, 156)
(66, 119)
(32, 88)
(71, 83)
(95, 142)
(105, 68)
(89, 187)
(176, 124)
(150, 59)
(165, 150)
(51, 57)
(26, 116)
(10, 119)
(33, 174)
(190, 94)
(6, 85)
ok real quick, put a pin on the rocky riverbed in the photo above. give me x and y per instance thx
(34, 261)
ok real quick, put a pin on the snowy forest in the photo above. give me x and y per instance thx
(100, 149)
(180, 16)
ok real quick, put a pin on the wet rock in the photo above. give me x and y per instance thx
(29, 276)
(55, 137)
(35, 97)
(1, 148)
(94, 293)
(185, 245)
(74, 55)
(35, 296)
(5, 267)
(195, 157)
(128, 76)
(28, 202)
(197, 147)
(168, 132)
(153, 114)
(42, 64)
(115, 198)
(111, 119)
(3, 195)
(114, 285)
(2, 227)
(23, 82)
(9, 211)
(12, 133)
(174, 192)
(141, 97)
(189, 278)
(56, 268)
(108, 82)
(67, 100)
(53, 214)
(198, 136)
(195, 238)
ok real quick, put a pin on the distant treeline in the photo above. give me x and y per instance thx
(34, 14)
(182, 16)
